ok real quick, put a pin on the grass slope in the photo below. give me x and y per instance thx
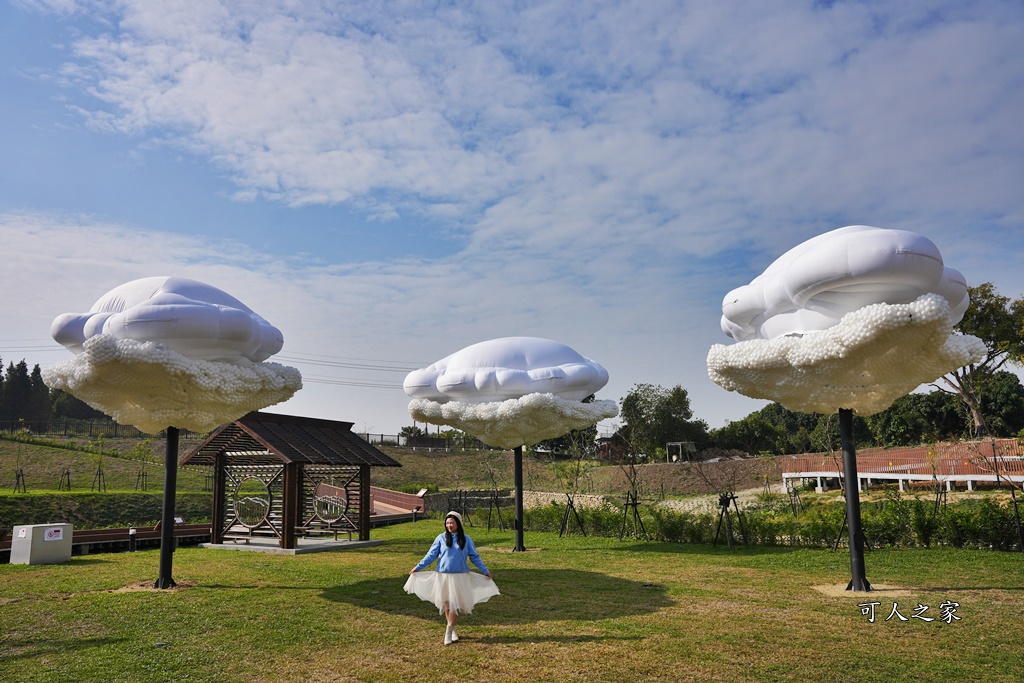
(44, 464)
(473, 470)
(122, 461)
(574, 609)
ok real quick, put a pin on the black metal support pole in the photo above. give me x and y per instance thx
(859, 581)
(167, 518)
(518, 467)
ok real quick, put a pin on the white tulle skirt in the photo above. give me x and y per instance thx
(460, 590)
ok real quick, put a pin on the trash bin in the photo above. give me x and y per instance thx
(41, 544)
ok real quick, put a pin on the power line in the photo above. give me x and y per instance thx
(369, 365)
(346, 382)
(302, 359)
(349, 363)
(350, 358)
(33, 345)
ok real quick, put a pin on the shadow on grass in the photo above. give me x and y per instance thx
(527, 596)
(15, 649)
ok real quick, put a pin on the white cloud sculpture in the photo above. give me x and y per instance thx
(171, 352)
(510, 392)
(854, 318)
(816, 283)
(190, 317)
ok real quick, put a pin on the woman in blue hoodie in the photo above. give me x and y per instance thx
(453, 588)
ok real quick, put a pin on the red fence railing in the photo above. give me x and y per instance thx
(962, 460)
(406, 501)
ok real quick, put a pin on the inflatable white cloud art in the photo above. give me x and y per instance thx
(508, 368)
(171, 352)
(816, 283)
(854, 318)
(189, 317)
(510, 392)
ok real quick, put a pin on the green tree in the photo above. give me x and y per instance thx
(67, 407)
(753, 434)
(772, 429)
(796, 426)
(825, 435)
(1003, 404)
(39, 407)
(654, 416)
(999, 323)
(458, 439)
(17, 393)
(919, 418)
(577, 443)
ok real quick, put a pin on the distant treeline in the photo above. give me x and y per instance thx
(25, 398)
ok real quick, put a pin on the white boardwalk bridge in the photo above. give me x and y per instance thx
(967, 462)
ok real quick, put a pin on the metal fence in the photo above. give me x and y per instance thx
(113, 430)
(431, 443)
(92, 430)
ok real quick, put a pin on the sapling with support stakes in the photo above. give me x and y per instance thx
(99, 478)
(724, 501)
(19, 473)
(65, 480)
(998, 465)
(493, 500)
(578, 447)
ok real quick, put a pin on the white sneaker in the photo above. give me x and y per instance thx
(448, 635)
(455, 636)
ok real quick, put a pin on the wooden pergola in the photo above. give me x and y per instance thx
(285, 477)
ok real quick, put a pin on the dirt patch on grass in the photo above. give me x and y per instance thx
(838, 590)
(147, 586)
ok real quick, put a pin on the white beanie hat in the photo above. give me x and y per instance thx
(454, 514)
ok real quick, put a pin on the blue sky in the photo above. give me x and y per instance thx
(388, 182)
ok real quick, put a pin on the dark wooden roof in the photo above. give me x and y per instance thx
(268, 439)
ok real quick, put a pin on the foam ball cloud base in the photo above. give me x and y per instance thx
(514, 422)
(871, 357)
(150, 386)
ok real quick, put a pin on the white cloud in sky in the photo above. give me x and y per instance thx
(611, 169)
(594, 114)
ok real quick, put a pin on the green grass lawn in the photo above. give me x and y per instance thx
(576, 609)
